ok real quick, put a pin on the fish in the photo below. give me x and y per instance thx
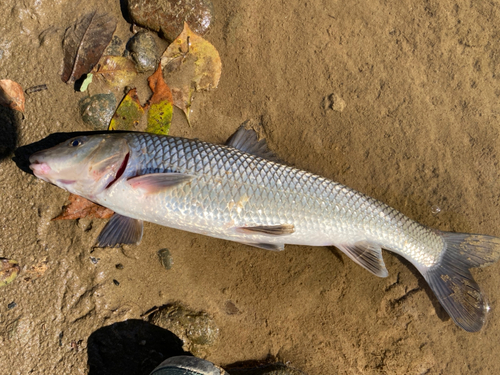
(241, 192)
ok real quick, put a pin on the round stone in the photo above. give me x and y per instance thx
(143, 51)
(168, 16)
(97, 110)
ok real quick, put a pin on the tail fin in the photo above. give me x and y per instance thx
(452, 282)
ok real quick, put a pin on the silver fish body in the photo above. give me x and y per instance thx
(232, 190)
(228, 192)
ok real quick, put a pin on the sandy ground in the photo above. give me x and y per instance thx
(419, 130)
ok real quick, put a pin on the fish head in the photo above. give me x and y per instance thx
(84, 165)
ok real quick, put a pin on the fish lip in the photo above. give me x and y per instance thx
(40, 169)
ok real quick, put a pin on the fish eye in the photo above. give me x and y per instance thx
(75, 143)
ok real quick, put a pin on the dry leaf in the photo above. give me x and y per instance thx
(9, 269)
(160, 105)
(191, 64)
(37, 270)
(128, 113)
(117, 71)
(80, 208)
(84, 44)
(11, 95)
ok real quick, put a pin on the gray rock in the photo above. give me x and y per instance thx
(168, 16)
(97, 110)
(114, 47)
(143, 51)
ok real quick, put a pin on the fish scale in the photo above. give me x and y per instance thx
(282, 194)
(236, 192)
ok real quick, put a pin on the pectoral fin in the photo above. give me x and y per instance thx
(120, 230)
(155, 182)
(367, 255)
(273, 230)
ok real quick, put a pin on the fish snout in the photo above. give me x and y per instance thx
(40, 169)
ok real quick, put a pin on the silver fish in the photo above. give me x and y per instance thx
(237, 192)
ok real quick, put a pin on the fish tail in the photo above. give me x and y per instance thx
(451, 279)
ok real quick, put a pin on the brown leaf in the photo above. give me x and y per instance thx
(161, 91)
(160, 105)
(79, 208)
(191, 64)
(117, 71)
(84, 44)
(11, 95)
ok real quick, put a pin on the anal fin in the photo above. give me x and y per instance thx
(120, 230)
(267, 246)
(367, 255)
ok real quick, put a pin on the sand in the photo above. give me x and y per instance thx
(398, 100)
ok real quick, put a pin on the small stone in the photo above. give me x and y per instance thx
(143, 51)
(335, 102)
(168, 16)
(165, 258)
(230, 308)
(195, 328)
(97, 110)
(119, 266)
(11, 305)
(114, 47)
(116, 282)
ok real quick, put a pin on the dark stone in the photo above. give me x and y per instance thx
(165, 258)
(114, 47)
(143, 51)
(168, 16)
(97, 110)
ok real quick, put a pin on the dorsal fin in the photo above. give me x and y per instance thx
(246, 140)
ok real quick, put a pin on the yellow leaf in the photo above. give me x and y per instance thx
(9, 269)
(160, 105)
(116, 71)
(128, 113)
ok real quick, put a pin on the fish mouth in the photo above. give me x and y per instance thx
(121, 170)
(40, 169)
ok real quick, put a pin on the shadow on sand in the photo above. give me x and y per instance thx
(132, 347)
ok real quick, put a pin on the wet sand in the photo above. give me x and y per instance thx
(419, 131)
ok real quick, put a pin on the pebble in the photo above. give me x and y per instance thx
(168, 16)
(143, 51)
(196, 329)
(114, 47)
(97, 110)
(165, 258)
(334, 102)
